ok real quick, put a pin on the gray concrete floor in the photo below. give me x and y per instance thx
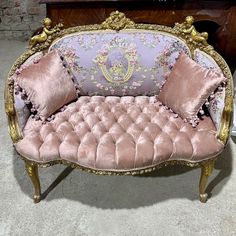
(163, 203)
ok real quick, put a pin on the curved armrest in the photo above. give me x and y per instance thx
(14, 106)
(221, 107)
(13, 125)
(227, 114)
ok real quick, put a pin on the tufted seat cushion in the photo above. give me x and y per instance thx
(118, 133)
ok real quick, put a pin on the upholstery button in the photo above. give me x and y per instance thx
(127, 121)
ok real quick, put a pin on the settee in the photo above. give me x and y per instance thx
(116, 115)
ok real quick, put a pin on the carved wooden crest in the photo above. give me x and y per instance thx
(117, 21)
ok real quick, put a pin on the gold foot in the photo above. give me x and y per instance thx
(32, 171)
(207, 169)
(203, 197)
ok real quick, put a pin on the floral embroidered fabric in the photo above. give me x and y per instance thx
(216, 105)
(125, 63)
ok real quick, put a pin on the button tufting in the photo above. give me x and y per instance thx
(119, 133)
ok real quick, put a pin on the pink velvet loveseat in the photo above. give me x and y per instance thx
(112, 121)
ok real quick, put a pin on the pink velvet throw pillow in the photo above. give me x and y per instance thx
(188, 87)
(47, 84)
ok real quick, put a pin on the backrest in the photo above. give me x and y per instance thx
(128, 62)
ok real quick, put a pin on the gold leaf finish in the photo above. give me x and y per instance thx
(118, 21)
(45, 34)
(13, 126)
(143, 170)
(207, 169)
(32, 170)
(187, 28)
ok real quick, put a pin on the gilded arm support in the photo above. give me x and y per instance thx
(196, 40)
(13, 125)
(42, 45)
(227, 114)
(226, 117)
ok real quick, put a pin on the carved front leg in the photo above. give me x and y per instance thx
(207, 169)
(32, 171)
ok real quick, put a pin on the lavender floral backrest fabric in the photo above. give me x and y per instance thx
(128, 62)
(216, 105)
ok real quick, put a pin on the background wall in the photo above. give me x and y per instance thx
(20, 18)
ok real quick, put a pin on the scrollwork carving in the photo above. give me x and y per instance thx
(117, 21)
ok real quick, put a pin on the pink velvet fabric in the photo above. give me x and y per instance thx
(188, 86)
(118, 133)
(47, 84)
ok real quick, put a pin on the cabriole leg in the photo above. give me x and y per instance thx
(207, 169)
(32, 170)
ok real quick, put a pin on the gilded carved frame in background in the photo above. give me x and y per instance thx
(118, 21)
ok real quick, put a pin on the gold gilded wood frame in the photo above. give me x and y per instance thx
(118, 21)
